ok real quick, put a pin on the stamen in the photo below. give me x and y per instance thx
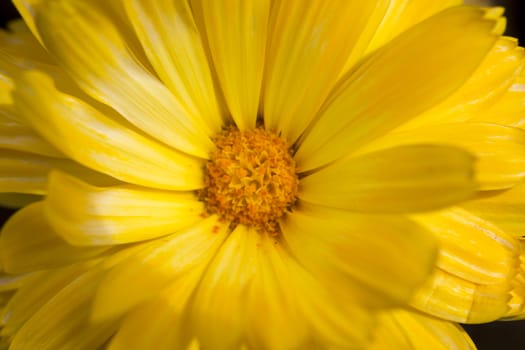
(250, 179)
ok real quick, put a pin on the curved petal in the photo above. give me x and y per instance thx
(503, 208)
(99, 141)
(491, 80)
(115, 214)
(509, 109)
(306, 54)
(27, 244)
(299, 310)
(219, 299)
(28, 173)
(64, 322)
(166, 329)
(491, 255)
(399, 82)
(173, 45)
(397, 180)
(377, 260)
(403, 14)
(104, 67)
(236, 34)
(176, 259)
(402, 330)
(36, 291)
(499, 150)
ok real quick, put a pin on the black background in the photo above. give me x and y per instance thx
(492, 336)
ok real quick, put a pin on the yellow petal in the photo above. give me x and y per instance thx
(170, 37)
(17, 137)
(116, 214)
(396, 180)
(401, 330)
(104, 68)
(378, 260)
(236, 34)
(398, 82)
(503, 208)
(488, 83)
(499, 149)
(402, 14)
(158, 265)
(309, 45)
(491, 255)
(27, 243)
(453, 298)
(164, 315)
(98, 140)
(274, 293)
(35, 292)
(219, 298)
(27, 173)
(63, 322)
(299, 309)
(509, 109)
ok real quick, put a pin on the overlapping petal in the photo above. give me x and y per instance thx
(174, 47)
(99, 140)
(419, 178)
(307, 50)
(377, 259)
(107, 71)
(21, 250)
(236, 33)
(397, 83)
(499, 149)
(106, 215)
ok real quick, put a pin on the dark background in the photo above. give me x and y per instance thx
(492, 336)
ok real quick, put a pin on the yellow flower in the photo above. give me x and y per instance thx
(260, 174)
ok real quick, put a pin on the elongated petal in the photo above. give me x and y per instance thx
(219, 298)
(170, 37)
(510, 108)
(299, 309)
(35, 292)
(236, 34)
(63, 322)
(101, 142)
(401, 15)
(396, 180)
(491, 255)
(401, 330)
(27, 173)
(491, 80)
(28, 243)
(162, 263)
(499, 149)
(17, 137)
(503, 208)
(377, 260)
(116, 214)
(307, 51)
(105, 69)
(375, 97)
(165, 330)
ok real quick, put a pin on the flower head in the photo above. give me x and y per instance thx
(260, 174)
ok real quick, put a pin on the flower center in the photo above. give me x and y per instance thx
(250, 179)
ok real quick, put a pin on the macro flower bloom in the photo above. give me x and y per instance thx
(258, 174)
